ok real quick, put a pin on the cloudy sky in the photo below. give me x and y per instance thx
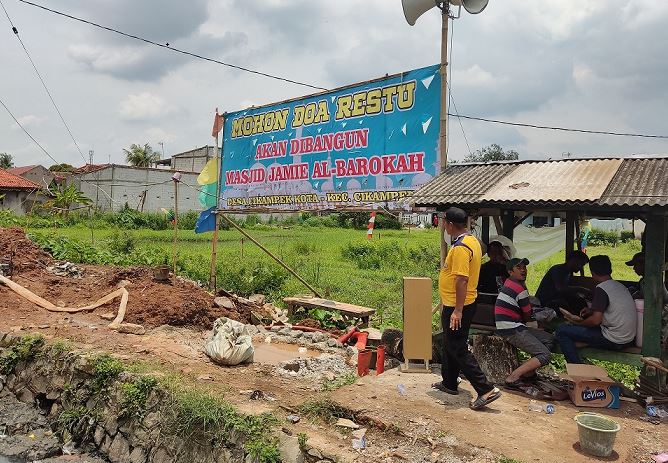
(595, 65)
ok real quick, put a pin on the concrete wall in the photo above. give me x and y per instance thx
(193, 161)
(110, 188)
(19, 201)
(40, 175)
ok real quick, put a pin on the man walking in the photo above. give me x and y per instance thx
(457, 284)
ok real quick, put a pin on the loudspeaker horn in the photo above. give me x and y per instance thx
(474, 6)
(413, 9)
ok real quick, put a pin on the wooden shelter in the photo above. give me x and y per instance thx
(509, 192)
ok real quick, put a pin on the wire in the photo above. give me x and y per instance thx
(27, 133)
(177, 50)
(452, 98)
(16, 33)
(562, 129)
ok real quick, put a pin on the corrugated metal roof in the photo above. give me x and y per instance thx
(582, 180)
(462, 183)
(639, 182)
(626, 182)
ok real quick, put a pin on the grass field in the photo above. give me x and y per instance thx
(341, 263)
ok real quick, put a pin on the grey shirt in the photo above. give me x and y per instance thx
(619, 311)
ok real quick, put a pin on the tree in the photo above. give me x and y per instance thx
(141, 156)
(62, 168)
(492, 153)
(6, 161)
(64, 197)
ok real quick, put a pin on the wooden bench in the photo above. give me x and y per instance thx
(350, 312)
(483, 323)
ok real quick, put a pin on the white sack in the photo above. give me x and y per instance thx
(230, 344)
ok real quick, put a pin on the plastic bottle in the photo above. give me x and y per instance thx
(535, 406)
(401, 388)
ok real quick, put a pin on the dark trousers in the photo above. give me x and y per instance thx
(568, 335)
(456, 355)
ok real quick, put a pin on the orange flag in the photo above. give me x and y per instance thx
(217, 124)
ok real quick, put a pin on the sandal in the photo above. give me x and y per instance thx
(482, 401)
(441, 387)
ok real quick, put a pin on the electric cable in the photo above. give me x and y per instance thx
(168, 47)
(16, 33)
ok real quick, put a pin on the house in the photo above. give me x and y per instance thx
(110, 187)
(190, 161)
(17, 193)
(36, 174)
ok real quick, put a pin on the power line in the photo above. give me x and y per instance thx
(27, 133)
(452, 98)
(16, 33)
(177, 50)
(562, 129)
(271, 76)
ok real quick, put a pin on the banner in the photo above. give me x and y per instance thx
(361, 145)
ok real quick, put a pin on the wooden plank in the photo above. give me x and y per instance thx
(655, 236)
(319, 303)
(417, 318)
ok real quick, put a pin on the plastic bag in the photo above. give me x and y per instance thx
(230, 344)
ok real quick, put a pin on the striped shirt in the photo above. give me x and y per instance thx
(511, 305)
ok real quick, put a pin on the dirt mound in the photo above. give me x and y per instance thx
(151, 303)
(24, 254)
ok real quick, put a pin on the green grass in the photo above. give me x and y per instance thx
(341, 263)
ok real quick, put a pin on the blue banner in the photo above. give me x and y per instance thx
(361, 145)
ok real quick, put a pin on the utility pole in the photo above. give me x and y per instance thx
(442, 137)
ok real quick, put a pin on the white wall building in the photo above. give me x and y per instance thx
(111, 186)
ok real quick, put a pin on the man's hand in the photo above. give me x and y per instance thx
(456, 319)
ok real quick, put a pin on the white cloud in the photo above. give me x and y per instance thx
(144, 106)
(28, 121)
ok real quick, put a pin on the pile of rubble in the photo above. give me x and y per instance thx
(325, 366)
(66, 269)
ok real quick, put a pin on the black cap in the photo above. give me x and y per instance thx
(456, 215)
(637, 257)
(515, 261)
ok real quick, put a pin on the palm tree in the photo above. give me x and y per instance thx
(141, 156)
(6, 161)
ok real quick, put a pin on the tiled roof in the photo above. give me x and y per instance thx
(10, 181)
(20, 170)
(626, 182)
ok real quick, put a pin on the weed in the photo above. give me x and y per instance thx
(24, 349)
(105, 372)
(264, 450)
(302, 438)
(122, 242)
(135, 394)
(325, 410)
(69, 418)
(341, 381)
(61, 346)
(504, 459)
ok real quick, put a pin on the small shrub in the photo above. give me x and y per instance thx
(122, 242)
(603, 238)
(25, 349)
(135, 394)
(627, 236)
(302, 438)
(106, 371)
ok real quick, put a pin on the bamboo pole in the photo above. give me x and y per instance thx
(283, 264)
(176, 224)
(214, 244)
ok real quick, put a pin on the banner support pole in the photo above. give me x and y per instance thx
(214, 239)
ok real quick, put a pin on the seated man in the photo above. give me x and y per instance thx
(638, 291)
(555, 288)
(493, 273)
(611, 321)
(511, 311)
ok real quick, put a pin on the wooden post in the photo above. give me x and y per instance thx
(498, 225)
(485, 229)
(508, 219)
(176, 224)
(214, 239)
(570, 231)
(655, 236)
